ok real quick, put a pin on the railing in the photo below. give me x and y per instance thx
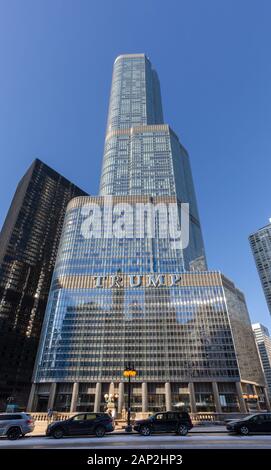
(57, 416)
(215, 418)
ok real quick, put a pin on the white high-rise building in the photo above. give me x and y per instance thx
(263, 341)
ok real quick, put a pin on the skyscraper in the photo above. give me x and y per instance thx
(28, 247)
(263, 342)
(127, 289)
(260, 243)
(142, 155)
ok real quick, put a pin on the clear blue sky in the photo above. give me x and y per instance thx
(213, 59)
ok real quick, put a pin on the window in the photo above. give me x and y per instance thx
(257, 419)
(90, 416)
(161, 417)
(9, 417)
(78, 418)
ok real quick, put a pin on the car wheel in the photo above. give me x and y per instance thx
(145, 431)
(182, 430)
(244, 430)
(13, 434)
(100, 431)
(58, 433)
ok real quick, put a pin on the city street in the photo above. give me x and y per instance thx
(134, 441)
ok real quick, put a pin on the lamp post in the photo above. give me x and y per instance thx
(110, 400)
(128, 373)
(10, 408)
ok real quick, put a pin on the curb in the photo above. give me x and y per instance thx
(123, 433)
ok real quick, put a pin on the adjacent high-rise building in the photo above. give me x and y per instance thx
(28, 246)
(128, 290)
(260, 243)
(263, 342)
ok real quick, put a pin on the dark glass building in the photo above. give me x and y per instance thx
(127, 289)
(28, 246)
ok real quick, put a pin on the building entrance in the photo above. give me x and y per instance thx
(42, 405)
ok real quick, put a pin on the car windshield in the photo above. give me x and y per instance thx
(247, 417)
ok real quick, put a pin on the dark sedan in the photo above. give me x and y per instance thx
(172, 421)
(82, 424)
(260, 422)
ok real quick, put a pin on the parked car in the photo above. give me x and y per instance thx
(82, 424)
(170, 421)
(15, 425)
(260, 422)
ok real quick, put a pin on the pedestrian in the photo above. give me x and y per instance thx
(50, 414)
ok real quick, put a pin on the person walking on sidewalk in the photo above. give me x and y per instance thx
(50, 415)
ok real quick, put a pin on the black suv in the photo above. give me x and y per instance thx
(250, 424)
(80, 424)
(170, 421)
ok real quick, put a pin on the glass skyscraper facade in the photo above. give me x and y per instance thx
(28, 246)
(260, 243)
(263, 342)
(120, 296)
(142, 155)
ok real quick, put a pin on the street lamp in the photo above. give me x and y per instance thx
(110, 400)
(128, 373)
(9, 407)
(10, 399)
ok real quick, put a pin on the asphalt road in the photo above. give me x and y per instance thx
(165, 441)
